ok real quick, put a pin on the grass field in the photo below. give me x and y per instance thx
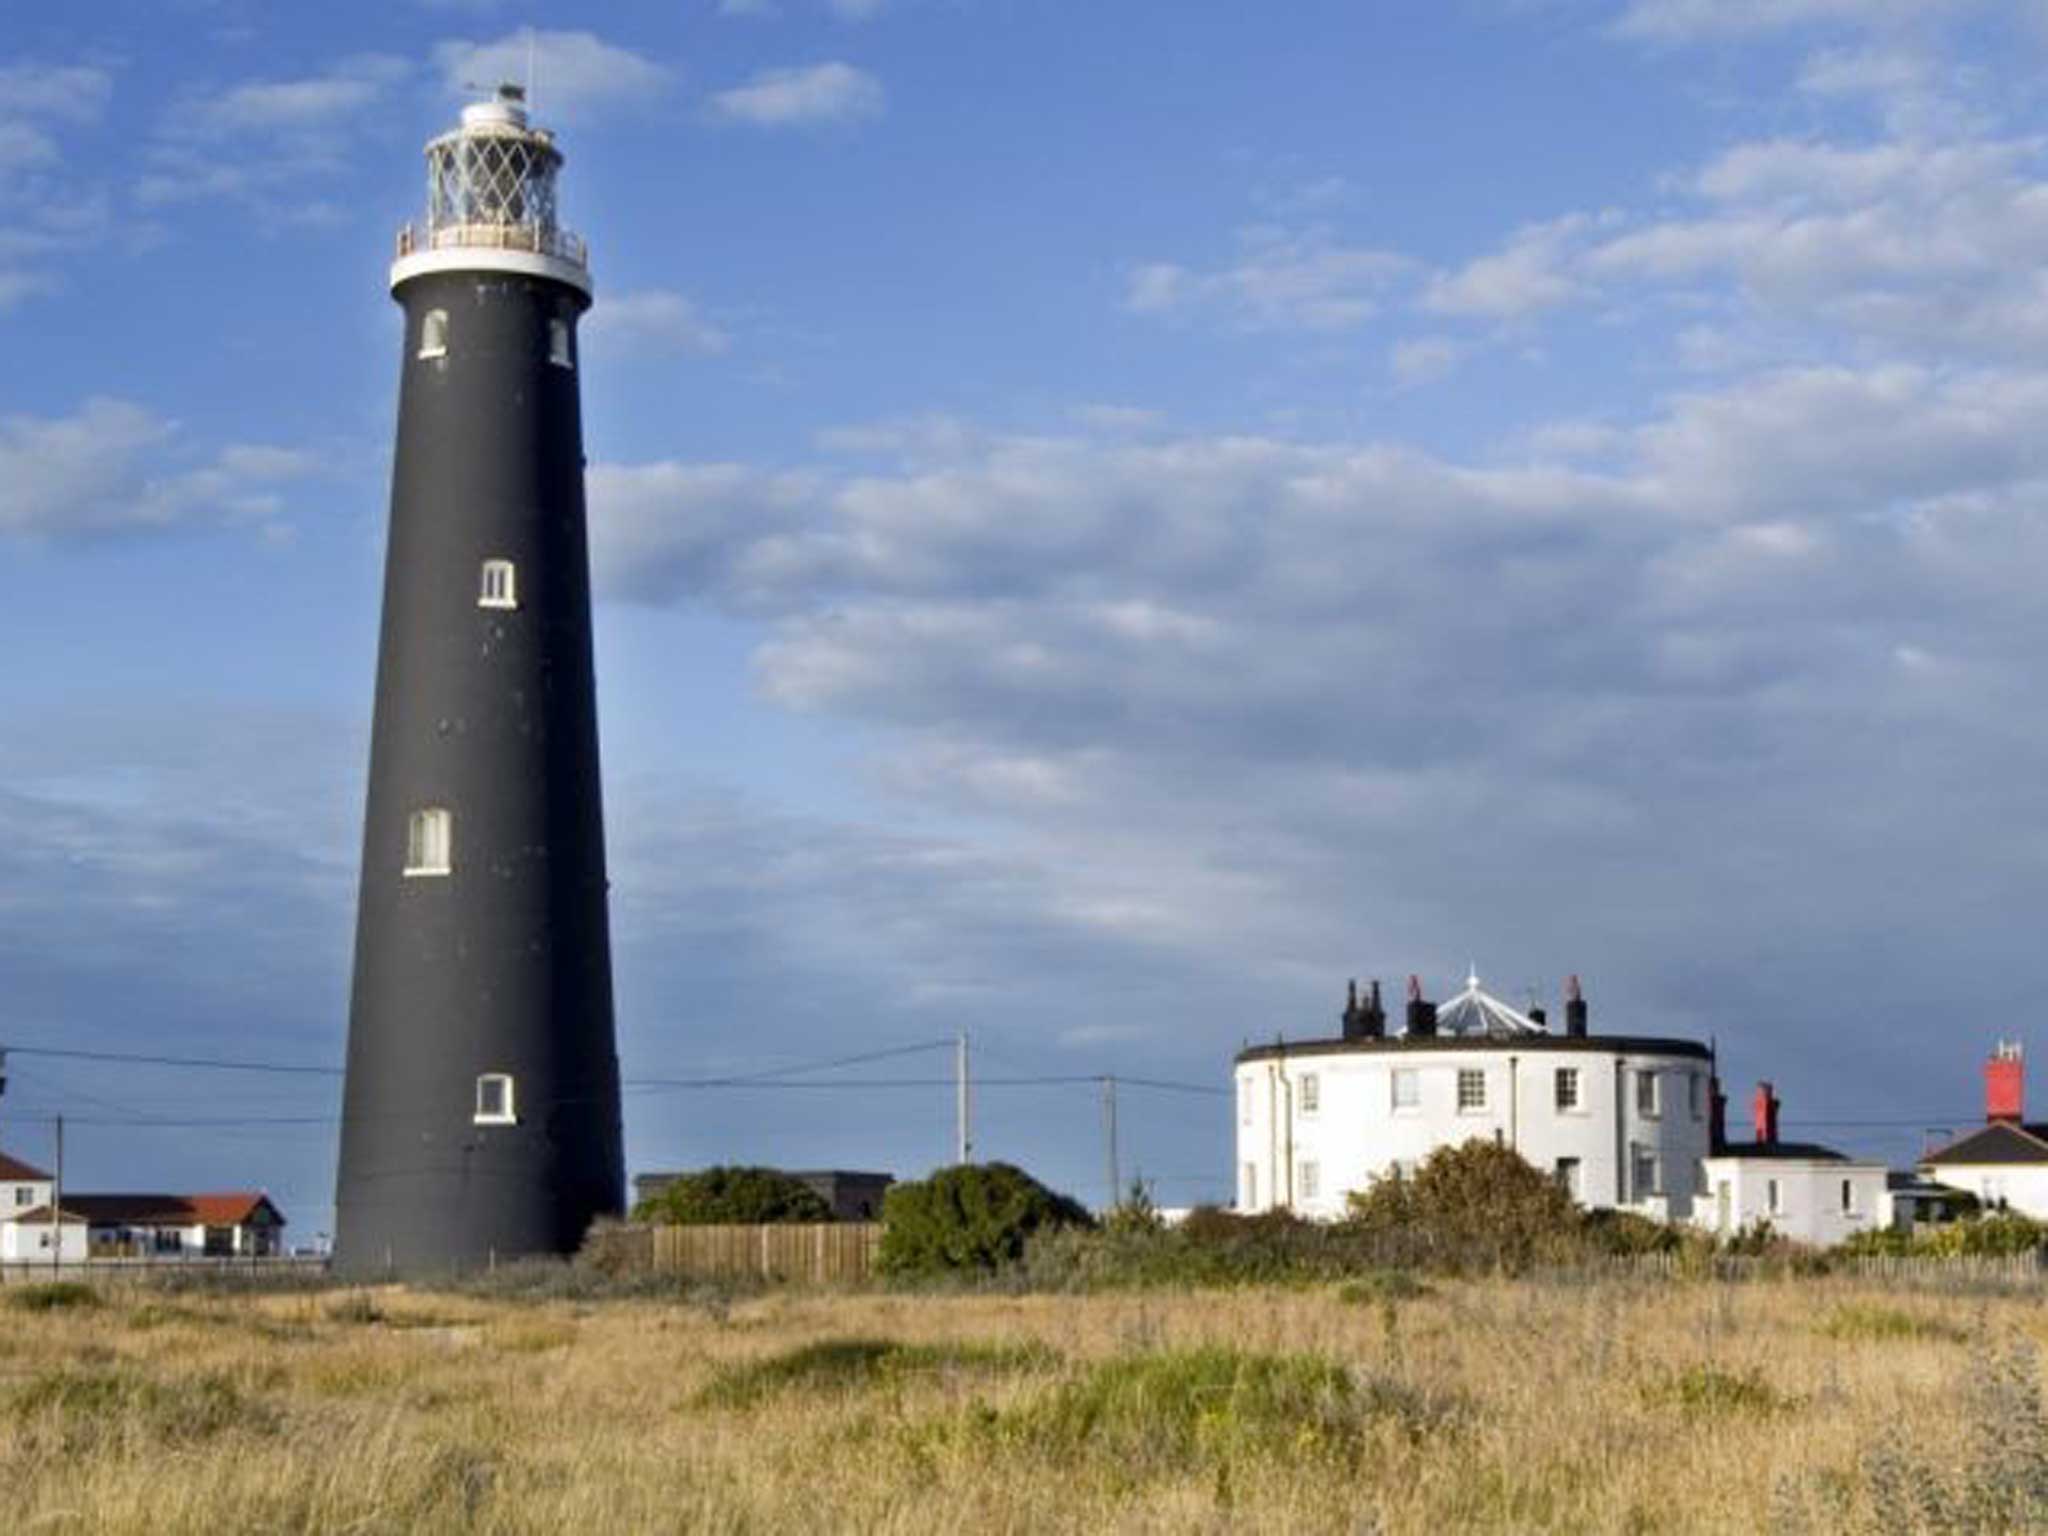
(1610, 1406)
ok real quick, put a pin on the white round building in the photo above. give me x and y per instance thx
(1621, 1120)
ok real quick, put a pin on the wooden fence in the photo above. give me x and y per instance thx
(819, 1253)
(1958, 1270)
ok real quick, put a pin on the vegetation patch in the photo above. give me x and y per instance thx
(973, 1218)
(854, 1365)
(1203, 1409)
(1382, 1285)
(743, 1196)
(1707, 1391)
(1866, 1322)
(54, 1296)
(75, 1412)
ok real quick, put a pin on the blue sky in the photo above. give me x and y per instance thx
(1109, 519)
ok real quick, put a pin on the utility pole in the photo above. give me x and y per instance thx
(963, 1141)
(1109, 1137)
(57, 1208)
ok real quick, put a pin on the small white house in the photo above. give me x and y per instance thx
(27, 1239)
(1801, 1190)
(2004, 1163)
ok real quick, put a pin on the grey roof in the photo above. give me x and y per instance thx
(2004, 1142)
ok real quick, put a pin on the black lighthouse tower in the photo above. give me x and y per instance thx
(481, 1114)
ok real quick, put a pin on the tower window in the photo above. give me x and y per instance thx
(494, 1099)
(429, 839)
(558, 344)
(434, 334)
(500, 587)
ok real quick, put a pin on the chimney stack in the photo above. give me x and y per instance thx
(1421, 1015)
(1353, 1019)
(1717, 1115)
(1375, 1018)
(1764, 1109)
(2005, 1084)
(1574, 1008)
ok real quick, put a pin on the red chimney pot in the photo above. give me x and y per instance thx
(2005, 1084)
(1764, 1112)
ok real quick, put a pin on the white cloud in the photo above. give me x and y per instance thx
(820, 93)
(575, 74)
(72, 93)
(1532, 273)
(115, 465)
(656, 320)
(1424, 359)
(42, 211)
(1693, 20)
(345, 93)
(1282, 279)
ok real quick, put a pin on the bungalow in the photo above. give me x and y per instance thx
(1807, 1192)
(2004, 1162)
(243, 1224)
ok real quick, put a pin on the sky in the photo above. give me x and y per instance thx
(1108, 521)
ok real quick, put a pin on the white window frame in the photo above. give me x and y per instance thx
(1475, 1102)
(1573, 1103)
(498, 584)
(430, 842)
(1569, 1172)
(1411, 1079)
(508, 1113)
(1309, 1096)
(1649, 1094)
(1774, 1197)
(1848, 1197)
(433, 334)
(560, 348)
(24, 1194)
(1308, 1179)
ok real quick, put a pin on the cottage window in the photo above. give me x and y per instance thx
(429, 839)
(1567, 1089)
(1471, 1089)
(24, 1194)
(1773, 1197)
(1308, 1181)
(1848, 1197)
(1407, 1088)
(1311, 1093)
(500, 585)
(1646, 1174)
(1567, 1174)
(558, 344)
(494, 1102)
(1646, 1094)
(434, 334)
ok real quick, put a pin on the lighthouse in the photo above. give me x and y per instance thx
(480, 1117)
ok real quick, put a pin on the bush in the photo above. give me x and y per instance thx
(973, 1218)
(736, 1196)
(54, 1296)
(1479, 1205)
(1991, 1236)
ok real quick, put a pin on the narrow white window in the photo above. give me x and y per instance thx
(1646, 1094)
(429, 840)
(24, 1194)
(1308, 1182)
(1773, 1198)
(1471, 1089)
(1567, 1088)
(1848, 1197)
(1407, 1088)
(1311, 1093)
(558, 344)
(434, 334)
(500, 586)
(494, 1101)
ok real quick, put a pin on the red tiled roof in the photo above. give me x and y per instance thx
(14, 1171)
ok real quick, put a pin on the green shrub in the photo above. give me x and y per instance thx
(1380, 1286)
(54, 1296)
(1475, 1206)
(1624, 1234)
(733, 1196)
(1995, 1235)
(1857, 1322)
(975, 1217)
(1707, 1391)
(78, 1411)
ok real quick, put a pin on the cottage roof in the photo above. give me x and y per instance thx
(14, 1171)
(2004, 1142)
(1781, 1151)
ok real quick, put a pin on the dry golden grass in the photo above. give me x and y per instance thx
(1478, 1406)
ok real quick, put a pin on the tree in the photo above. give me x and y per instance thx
(1478, 1205)
(739, 1196)
(976, 1216)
